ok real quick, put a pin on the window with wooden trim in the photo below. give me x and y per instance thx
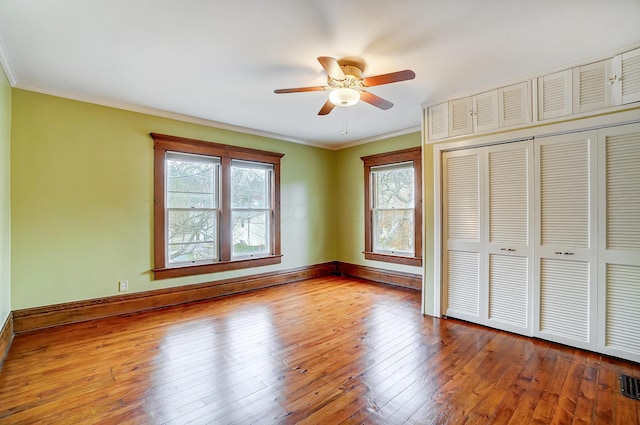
(393, 207)
(216, 207)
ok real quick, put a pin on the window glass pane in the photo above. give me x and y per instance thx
(393, 188)
(250, 187)
(250, 232)
(191, 182)
(191, 235)
(393, 230)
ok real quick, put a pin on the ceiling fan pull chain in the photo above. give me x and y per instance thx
(345, 129)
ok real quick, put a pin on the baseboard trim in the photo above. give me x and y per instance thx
(406, 280)
(6, 337)
(30, 319)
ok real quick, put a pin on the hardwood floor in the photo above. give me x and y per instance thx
(331, 350)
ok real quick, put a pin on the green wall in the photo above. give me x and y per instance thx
(82, 185)
(5, 198)
(350, 198)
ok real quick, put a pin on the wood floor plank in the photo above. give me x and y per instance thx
(585, 403)
(332, 350)
(568, 397)
(548, 401)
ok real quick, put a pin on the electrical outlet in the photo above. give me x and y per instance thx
(123, 285)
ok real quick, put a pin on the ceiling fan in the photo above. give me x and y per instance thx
(346, 85)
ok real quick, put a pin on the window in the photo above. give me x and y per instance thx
(393, 207)
(216, 207)
(192, 208)
(250, 207)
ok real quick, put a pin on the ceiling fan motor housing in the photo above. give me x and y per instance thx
(353, 78)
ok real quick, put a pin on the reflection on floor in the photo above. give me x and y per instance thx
(323, 351)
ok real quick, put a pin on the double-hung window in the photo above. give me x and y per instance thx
(393, 207)
(250, 207)
(192, 208)
(216, 207)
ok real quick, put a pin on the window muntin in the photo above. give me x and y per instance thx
(393, 207)
(194, 214)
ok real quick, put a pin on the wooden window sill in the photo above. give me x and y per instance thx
(190, 270)
(396, 259)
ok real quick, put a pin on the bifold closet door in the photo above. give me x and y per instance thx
(619, 241)
(565, 251)
(488, 262)
(462, 233)
(508, 251)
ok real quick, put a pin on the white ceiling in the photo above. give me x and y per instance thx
(218, 62)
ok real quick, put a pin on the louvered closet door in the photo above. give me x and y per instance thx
(509, 189)
(619, 241)
(462, 233)
(565, 251)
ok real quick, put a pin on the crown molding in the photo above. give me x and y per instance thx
(209, 123)
(377, 138)
(4, 61)
(170, 115)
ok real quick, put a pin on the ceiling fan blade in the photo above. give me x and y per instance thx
(332, 67)
(393, 77)
(374, 100)
(326, 108)
(300, 89)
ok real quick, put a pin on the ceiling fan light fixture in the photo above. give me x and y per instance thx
(344, 96)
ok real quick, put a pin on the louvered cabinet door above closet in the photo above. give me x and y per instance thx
(565, 251)
(555, 95)
(591, 87)
(625, 77)
(474, 113)
(619, 241)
